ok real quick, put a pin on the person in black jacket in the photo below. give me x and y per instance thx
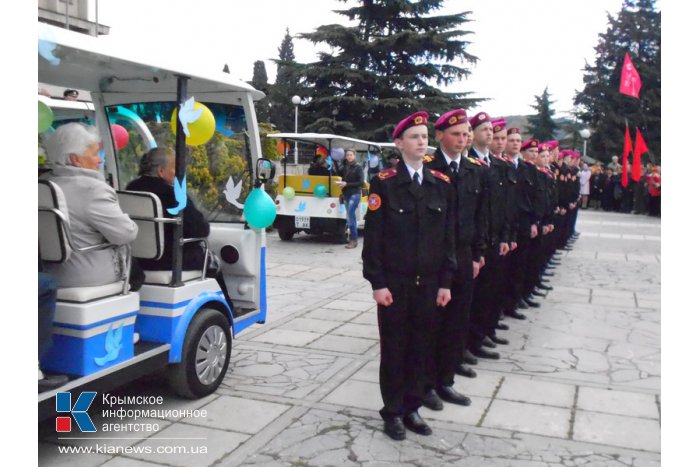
(352, 183)
(157, 176)
(408, 256)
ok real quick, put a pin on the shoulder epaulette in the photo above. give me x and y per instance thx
(498, 157)
(428, 158)
(440, 175)
(387, 173)
(474, 160)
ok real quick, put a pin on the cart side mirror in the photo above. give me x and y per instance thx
(264, 170)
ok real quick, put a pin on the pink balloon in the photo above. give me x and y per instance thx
(121, 136)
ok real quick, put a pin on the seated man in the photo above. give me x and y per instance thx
(318, 166)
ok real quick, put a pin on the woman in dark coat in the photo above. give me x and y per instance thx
(607, 199)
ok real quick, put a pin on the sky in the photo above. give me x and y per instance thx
(522, 46)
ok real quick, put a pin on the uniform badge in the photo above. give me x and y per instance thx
(418, 120)
(452, 120)
(482, 116)
(374, 202)
(427, 159)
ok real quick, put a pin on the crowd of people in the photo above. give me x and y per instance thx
(455, 243)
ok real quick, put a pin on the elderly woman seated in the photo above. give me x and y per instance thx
(95, 215)
(157, 176)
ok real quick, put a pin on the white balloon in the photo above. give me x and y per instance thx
(337, 154)
(373, 160)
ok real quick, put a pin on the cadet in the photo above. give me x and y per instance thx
(451, 131)
(408, 257)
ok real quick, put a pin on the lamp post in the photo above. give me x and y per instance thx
(585, 134)
(296, 100)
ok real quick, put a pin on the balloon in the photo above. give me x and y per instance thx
(201, 130)
(259, 209)
(45, 117)
(320, 191)
(373, 160)
(121, 136)
(288, 192)
(282, 148)
(337, 154)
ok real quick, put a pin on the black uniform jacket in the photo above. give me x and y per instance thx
(409, 231)
(495, 180)
(469, 193)
(193, 223)
(527, 196)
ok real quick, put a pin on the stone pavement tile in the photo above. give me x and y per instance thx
(217, 442)
(528, 418)
(369, 372)
(537, 392)
(49, 455)
(310, 325)
(366, 331)
(617, 402)
(573, 290)
(613, 301)
(366, 318)
(238, 414)
(342, 344)
(332, 315)
(469, 415)
(484, 385)
(360, 297)
(617, 430)
(125, 462)
(558, 296)
(360, 394)
(625, 294)
(287, 337)
(350, 305)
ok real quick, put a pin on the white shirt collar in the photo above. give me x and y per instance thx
(481, 156)
(411, 171)
(448, 159)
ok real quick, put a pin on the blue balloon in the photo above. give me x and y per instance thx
(320, 191)
(259, 209)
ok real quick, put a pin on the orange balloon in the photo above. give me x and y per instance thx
(282, 148)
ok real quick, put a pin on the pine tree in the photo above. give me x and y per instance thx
(286, 86)
(259, 82)
(394, 61)
(541, 125)
(635, 30)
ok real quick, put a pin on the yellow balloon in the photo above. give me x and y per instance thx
(201, 130)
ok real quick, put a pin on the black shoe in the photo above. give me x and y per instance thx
(521, 305)
(538, 294)
(416, 424)
(487, 342)
(432, 401)
(499, 340)
(516, 314)
(531, 303)
(503, 326)
(469, 358)
(544, 280)
(554, 262)
(544, 287)
(448, 394)
(464, 370)
(50, 382)
(567, 248)
(484, 353)
(547, 274)
(395, 428)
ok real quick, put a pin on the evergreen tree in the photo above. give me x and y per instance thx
(541, 125)
(259, 82)
(286, 86)
(392, 62)
(636, 30)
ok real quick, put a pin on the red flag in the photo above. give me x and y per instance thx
(640, 147)
(630, 83)
(625, 156)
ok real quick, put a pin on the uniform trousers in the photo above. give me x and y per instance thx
(450, 337)
(405, 328)
(488, 294)
(517, 268)
(534, 263)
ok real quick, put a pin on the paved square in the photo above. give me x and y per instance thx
(528, 418)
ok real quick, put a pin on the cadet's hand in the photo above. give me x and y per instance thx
(503, 249)
(572, 205)
(513, 246)
(482, 261)
(563, 211)
(533, 231)
(443, 297)
(383, 297)
(342, 184)
(476, 265)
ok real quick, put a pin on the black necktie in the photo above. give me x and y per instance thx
(455, 168)
(416, 179)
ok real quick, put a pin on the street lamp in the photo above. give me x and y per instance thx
(296, 100)
(585, 134)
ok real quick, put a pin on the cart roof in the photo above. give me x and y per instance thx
(325, 139)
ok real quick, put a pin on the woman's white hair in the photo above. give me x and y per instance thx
(71, 138)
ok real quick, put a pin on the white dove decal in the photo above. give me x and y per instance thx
(233, 192)
(188, 114)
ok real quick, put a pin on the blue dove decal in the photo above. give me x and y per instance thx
(46, 49)
(302, 207)
(113, 344)
(305, 185)
(220, 120)
(188, 114)
(180, 196)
